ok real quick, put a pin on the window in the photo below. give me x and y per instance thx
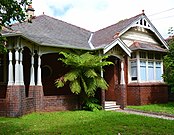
(142, 54)
(143, 70)
(150, 71)
(146, 67)
(133, 55)
(150, 55)
(134, 70)
(158, 56)
(158, 71)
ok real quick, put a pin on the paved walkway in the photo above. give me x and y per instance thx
(154, 115)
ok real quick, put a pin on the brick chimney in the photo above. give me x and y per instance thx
(29, 13)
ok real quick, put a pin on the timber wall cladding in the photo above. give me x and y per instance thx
(141, 94)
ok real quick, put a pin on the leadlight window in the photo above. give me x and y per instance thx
(142, 54)
(133, 55)
(150, 55)
(157, 56)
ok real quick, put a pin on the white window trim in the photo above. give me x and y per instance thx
(138, 59)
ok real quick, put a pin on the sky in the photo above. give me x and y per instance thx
(97, 14)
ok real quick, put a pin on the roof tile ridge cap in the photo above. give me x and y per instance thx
(66, 22)
(121, 21)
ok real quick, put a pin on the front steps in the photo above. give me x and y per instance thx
(111, 106)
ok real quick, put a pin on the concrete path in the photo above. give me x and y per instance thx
(148, 114)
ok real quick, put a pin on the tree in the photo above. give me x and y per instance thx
(169, 65)
(10, 10)
(85, 74)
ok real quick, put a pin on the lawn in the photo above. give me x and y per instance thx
(160, 108)
(85, 123)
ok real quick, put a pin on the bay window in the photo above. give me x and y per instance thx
(149, 67)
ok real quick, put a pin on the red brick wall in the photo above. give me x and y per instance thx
(29, 106)
(17, 104)
(14, 100)
(3, 107)
(60, 103)
(147, 93)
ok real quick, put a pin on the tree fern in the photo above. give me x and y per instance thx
(85, 73)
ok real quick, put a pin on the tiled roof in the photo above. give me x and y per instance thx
(108, 34)
(7, 30)
(146, 47)
(49, 31)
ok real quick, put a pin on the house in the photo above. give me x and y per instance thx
(29, 69)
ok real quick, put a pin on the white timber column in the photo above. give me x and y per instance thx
(122, 81)
(17, 68)
(32, 71)
(10, 69)
(21, 72)
(39, 82)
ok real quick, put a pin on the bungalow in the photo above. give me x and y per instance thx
(29, 69)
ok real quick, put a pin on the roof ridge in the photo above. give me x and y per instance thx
(121, 21)
(63, 22)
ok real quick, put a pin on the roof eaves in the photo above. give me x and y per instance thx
(129, 26)
(157, 33)
(11, 34)
(122, 45)
(65, 46)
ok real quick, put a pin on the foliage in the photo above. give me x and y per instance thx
(169, 65)
(92, 104)
(85, 75)
(85, 123)
(10, 10)
(160, 108)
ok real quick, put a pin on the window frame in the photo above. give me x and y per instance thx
(140, 57)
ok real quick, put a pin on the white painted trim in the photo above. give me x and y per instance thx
(156, 32)
(138, 67)
(152, 28)
(89, 41)
(10, 69)
(122, 80)
(121, 44)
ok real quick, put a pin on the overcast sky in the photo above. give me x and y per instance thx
(96, 14)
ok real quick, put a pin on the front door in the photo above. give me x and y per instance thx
(112, 77)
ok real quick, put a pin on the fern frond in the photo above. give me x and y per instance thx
(90, 73)
(72, 75)
(101, 83)
(59, 83)
(75, 86)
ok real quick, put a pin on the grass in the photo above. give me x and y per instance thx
(160, 108)
(85, 123)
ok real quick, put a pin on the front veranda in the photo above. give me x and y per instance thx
(27, 83)
(28, 75)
